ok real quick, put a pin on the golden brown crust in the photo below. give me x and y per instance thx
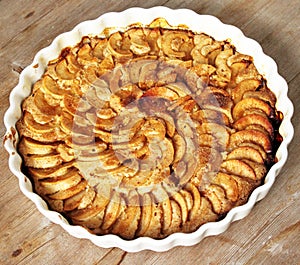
(148, 131)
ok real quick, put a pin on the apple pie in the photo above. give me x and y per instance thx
(148, 131)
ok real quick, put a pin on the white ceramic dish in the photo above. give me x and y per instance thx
(198, 23)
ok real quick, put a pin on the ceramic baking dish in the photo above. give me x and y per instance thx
(196, 22)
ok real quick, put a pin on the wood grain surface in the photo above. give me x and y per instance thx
(270, 234)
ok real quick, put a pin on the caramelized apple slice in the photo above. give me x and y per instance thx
(169, 123)
(179, 88)
(251, 119)
(223, 69)
(127, 223)
(188, 199)
(228, 184)
(246, 152)
(29, 146)
(66, 122)
(238, 57)
(162, 92)
(252, 136)
(256, 147)
(84, 55)
(72, 203)
(218, 131)
(154, 229)
(217, 197)
(114, 46)
(99, 48)
(138, 45)
(245, 186)
(162, 196)
(49, 86)
(88, 198)
(176, 218)
(251, 103)
(171, 43)
(146, 214)
(201, 211)
(103, 135)
(193, 190)
(63, 72)
(42, 104)
(259, 168)
(43, 161)
(239, 168)
(112, 211)
(244, 86)
(179, 147)
(67, 193)
(264, 95)
(43, 173)
(177, 197)
(65, 182)
(35, 126)
(95, 208)
(154, 129)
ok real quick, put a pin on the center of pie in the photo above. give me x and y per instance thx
(145, 133)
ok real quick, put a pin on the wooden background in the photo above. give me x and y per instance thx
(271, 233)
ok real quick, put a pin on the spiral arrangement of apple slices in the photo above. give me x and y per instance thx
(148, 131)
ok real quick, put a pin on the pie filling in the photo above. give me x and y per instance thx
(148, 131)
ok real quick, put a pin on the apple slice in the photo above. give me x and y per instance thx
(62, 70)
(223, 69)
(176, 219)
(146, 214)
(246, 152)
(177, 197)
(42, 104)
(96, 208)
(188, 199)
(251, 103)
(251, 119)
(49, 86)
(29, 146)
(163, 198)
(50, 186)
(67, 193)
(43, 173)
(114, 46)
(72, 203)
(259, 168)
(66, 122)
(169, 121)
(264, 95)
(80, 200)
(112, 211)
(244, 86)
(238, 167)
(228, 184)
(201, 211)
(43, 161)
(154, 229)
(217, 197)
(256, 147)
(218, 131)
(37, 127)
(179, 147)
(245, 186)
(161, 92)
(193, 190)
(252, 136)
(180, 88)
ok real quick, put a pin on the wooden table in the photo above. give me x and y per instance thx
(271, 233)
